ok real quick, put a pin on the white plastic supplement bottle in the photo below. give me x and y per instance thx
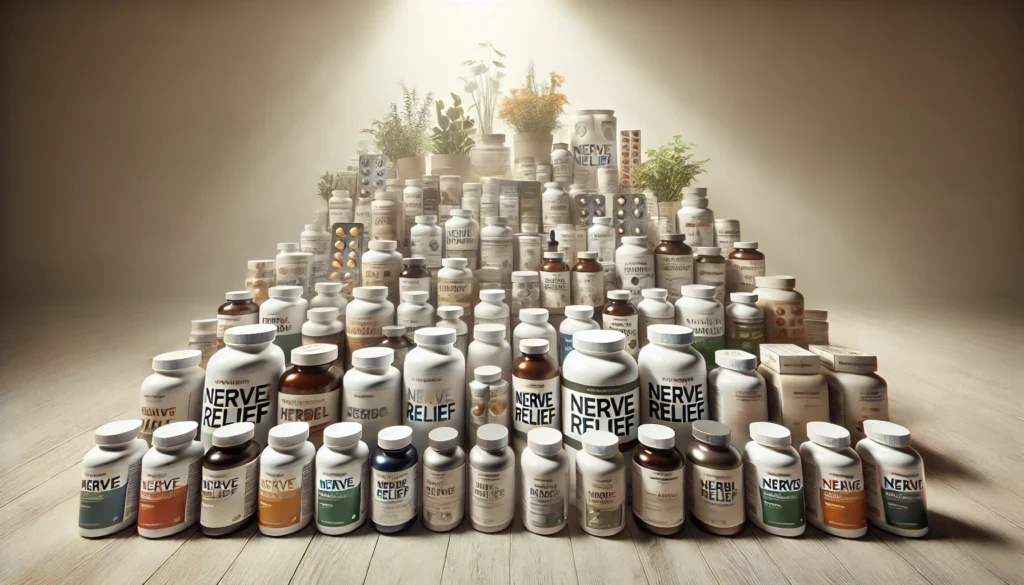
(855, 392)
(533, 324)
(451, 318)
(242, 382)
(471, 195)
(203, 337)
(694, 219)
(833, 481)
(496, 246)
(654, 310)
(316, 241)
(412, 199)
(382, 266)
(173, 392)
(384, 214)
(894, 483)
(601, 239)
(562, 163)
(339, 208)
(554, 207)
(434, 385)
(577, 318)
(544, 486)
(737, 395)
(490, 348)
(371, 393)
(286, 480)
(657, 469)
(414, 312)
(783, 310)
(322, 326)
(455, 286)
(111, 471)
(169, 494)
(444, 481)
(462, 237)
(328, 294)
(773, 479)
(285, 310)
(600, 480)
(673, 381)
(744, 323)
(700, 311)
(634, 266)
(427, 238)
(367, 314)
(342, 479)
(492, 310)
(492, 480)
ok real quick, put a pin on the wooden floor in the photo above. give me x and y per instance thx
(955, 379)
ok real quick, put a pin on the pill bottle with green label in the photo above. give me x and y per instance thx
(342, 479)
(773, 480)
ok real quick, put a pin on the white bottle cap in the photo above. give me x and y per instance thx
(492, 437)
(414, 182)
(544, 441)
(118, 432)
(415, 296)
(579, 312)
(492, 295)
(656, 436)
(692, 192)
(285, 292)
(175, 434)
(666, 334)
(343, 434)
(487, 374)
(393, 330)
(496, 220)
(256, 334)
(384, 195)
(734, 359)
(770, 434)
(635, 241)
(239, 295)
(525, 275)
(343, 193)
(551, 185)
(712, 432)
(311, 227)
(887, 433)
(783, 282)
(233, 434)
(533, 315)
(698, 291)
(323, 314)
(383, 245)
(587, 255)
(828, 435)
(745, 245)
(560, 256)
(288, 434)
(415, 261)
(654, 293)
(443, 439)
(288, 247)
(599, 341)
(619, 295)
(455, 262)
(602, 221)
(462, 213)
(450, 312)
(600, 443)
(327, 287)
(177, 360)
(747, 298)
(489, 332)
(435, 336)
(373, 357)
(316, 354)
(426, 219)
(708, 251)
(204, 326)
(370, 293)
(394, 438)
(534, 346)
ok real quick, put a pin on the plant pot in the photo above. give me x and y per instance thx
(411, 167)
(535, 144)
(450, 164)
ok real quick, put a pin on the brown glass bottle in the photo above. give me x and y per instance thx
(414, 275)
(233, 455)
(240, 309)
(555, 285)
(712, 460)
(745, 262)
(673, 265)
(658, 460)
(535, 375)
(709, 269)
(588, 282)
(310, 389)
(395, 339)
(621, 315)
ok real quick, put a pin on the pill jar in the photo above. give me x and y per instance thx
(461, 237)
(833, 481)
(490, 198)
(109, 501)
(634, 266)
(238, 310)
(415, 277)
(855, 392)
(554, 206)
(287, 486)
(554, 283)
(797, 393)
(525, 291)
(577, 318)
(600, 489)
(536, 390)
(587, 281)
(444, 481)
(533, 324)
(657, 469)
(620, 315)
(310, 389)
(673, 265)
(745, 263)
(434, 384)
(894, 483)
(700, 311)
(382, 265)
(561, 164)
(694, 219)
(490, 348)
(259, 277)
(744, 323)
(737, 395)
(488, 400)
(395, 492)
(169, 494)
(173, 392)
(339, 207)
(471, 195)
(414, 312)
(654, 310)
(342, 480)
(492, 470)
(673, 381)
(496, 246)
(544, 486)
(395, 340)
(285, 310)
(203, 336)
(328, 294)
(492, 310)
(727, 234)
(451, 317)
(783, 309)
(455, 286)
(412, 199)
(774, 480)
(451, 197)
(714, 480)
(322, 326)
(316, 241)
(295, 269)
(384, 215)
(367, 314)
(601, 239)
(427, 237)
(231, 471)
(709, 269)
(372, 393)
(529, 249)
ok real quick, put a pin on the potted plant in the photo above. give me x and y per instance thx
(403, 135)
(451, 140)
(484, 85)
(533, 112)
(666, 172)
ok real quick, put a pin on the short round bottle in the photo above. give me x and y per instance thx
(577, 318)
(285, 310)
(714, 480)
(339, 208)
(634, 265)
(600, 485)
(322, 326)
(365, 319)
(455, 286)
(744, 323)
(173, 392)
(396, 340)
(444, 481)
(414, 312)
(415, 277)
(554, 284)
(744, 264)
(287, 485)
(658, 481)
(170, 487)
(426, 240)
(737, 394)
(783, 308)
(328, 294)
(533, 323)
(654, 310)
(106, 503)
(894, 483)
(230, 476)
(395, 491)
(587, 282)
(700, 311)
(709, 269)
(451, 317)
(492, 310)
(381, 265)
(834, 480)
(462, 235)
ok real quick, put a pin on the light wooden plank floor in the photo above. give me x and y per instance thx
(954, 377)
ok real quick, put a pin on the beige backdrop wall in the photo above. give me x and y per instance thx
(874, 149)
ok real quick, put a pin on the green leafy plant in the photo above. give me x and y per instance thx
(668, 170)
(328, 182)
(483, 84)
(535, 107)
(404, 133)
(454, 129)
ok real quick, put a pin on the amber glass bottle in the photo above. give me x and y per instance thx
(588, 282)
(311, 389)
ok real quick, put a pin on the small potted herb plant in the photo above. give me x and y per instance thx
(451, 140)
(403, 135)
(533, 112)
(666, 172)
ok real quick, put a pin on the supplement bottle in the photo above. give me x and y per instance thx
(372, 392)
(496, 246)
(492, 479)
(797, 393)
(528, 251)
(322, 326)
(634, 266)
(893, 480)
(173, 392)
(490, 199)
(287, 486)
(365, 319)
(295, 269)
(395, 340)
(384, 214)
(783, 309)
(238, 310)
(620, 315)
(561, 164)
(744, 323)
(259, 278)
(395, 491)
(709, 269)
(525, 292)
(444, 481)
(427, 238)
(434, 385)
(673, 381)
(577, 318)
(471, 195)
(242, 382)
(694, 219)
(554, 284)
(544, 487)
(339, 208)
(673, 265)
(451, 318)
(488, 400)
(414, 312)
(203, 337)
(600, 489)
(587, 281)
(381, 266)
(737, 395)
(316, 241)
(535, 387)
(700, 311)
(745, 263)
(311, 389)
(833, 481)
(328, 294)
(533, 324)
(490, 348)
(492, 310)
(727, 233)
(231, 471)
(658, 481)
(412, 199)
(342, 480)
(285, 310)
(461, 237)
(714, 480)
(169, 495)
(488, 279)
(451, 198)
(855, 392)
(601, 239)
(415, 277)
(774, 481)
(111, 471)
(455, 286)
(654, 310)
(554, 206)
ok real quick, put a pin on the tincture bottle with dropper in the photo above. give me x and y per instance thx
(310, 390)
(342, 480)
(173, 392)
(544, 487)
(240, 309)
(111, 471)
(169, 495)
(833, 481)
(492, 471)
(372, 393)
(600, 485)
(714, 480)
(444, 481)
(396, 340)
(230, 480)
(773, 480)
(657, 469)
(894, 483)
(395, 490)
(286, 480)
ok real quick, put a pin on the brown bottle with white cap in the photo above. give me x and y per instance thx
(536, 384)
(714, 480)
(240, 309)
(310, 390)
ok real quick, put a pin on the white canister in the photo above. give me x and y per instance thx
(727, 232)
(412, 196)
(554, 207)
(455, 286)
(496, 246)
(371, 393)
(426, 239)
(489, 200)
(545, 482)
(561, 165)
(673, 381)
(634, 266)
(654, 310)
(525, 291)
(471, 196)
(434, 384)
(695, 220)
(601, 239)
(384, 212)
(382, 266)
(461, 237)
(317, 241)
(594, 133)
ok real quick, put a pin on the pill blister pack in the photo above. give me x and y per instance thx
(373, 174)
(585, 207)
(630, 215)
(346, 255)
(629, 157)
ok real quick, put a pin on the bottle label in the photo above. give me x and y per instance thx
(554, 211)
(784, 322)
(850, 408)
(428, 246)
(745, 335)
(444, 495)
(488, 404)
(509, 207)
(169, 496)
(775, 496)
(525, 295)
(587, 407)
(715, 496)
(229, 495)
(896, 496)
(414, 284)
(394, 496)
(600, 500)
(602, 241)
(341, 495)
(339, 216)
(741, 274)
(658, 496)
(363, 332)
(225, 322)
(319, 410)
(672, 272)
(648, 320)
(488, 208)
(837, 496)
(545, 501)
(529, 256)
(110, 495)
(288, 319)
(381, 273)
(457, 293)
(414, 321)
(493, 501)
(707, 323)
(588, 288)
(497, 253)
(561, 170)
(554, 291)
(286, 495)
(799, 408)
(319, 247)
(628, 325)
(384, 222)
(737, 408)
(159, 409)
(635, 273)
(711, 275)
(699, 233)
(363, 213)
(674, 398)
(430, 400)
(536, 405)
